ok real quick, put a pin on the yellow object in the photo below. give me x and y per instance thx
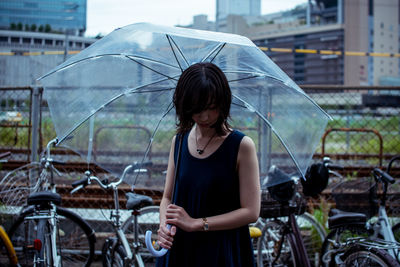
(254, 232)
(10, 248)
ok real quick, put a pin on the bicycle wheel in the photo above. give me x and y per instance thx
(149, 219)
(75, 238)
(336, 239)
(273, 249)
(8, 257)
(44, 256)
(113, 254)
(313, 235)
(372, 257)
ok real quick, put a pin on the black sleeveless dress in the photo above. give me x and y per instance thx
(204, 188)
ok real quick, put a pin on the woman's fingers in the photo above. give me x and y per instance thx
(173, 230)
(165, 237)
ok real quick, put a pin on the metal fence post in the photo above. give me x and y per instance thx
(35, 122)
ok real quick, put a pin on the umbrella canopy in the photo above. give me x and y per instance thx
(112, 102)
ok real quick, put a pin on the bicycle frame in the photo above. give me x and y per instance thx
(115, 217)
(49, 216)
(115, 214)
(383, 227)
(382, 236)
(299, 249)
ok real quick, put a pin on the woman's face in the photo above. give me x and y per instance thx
(206, 118)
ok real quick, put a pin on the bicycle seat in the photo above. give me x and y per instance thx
(339, 218)
(136, 201)
(44, 197)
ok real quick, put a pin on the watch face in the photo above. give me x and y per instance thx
(205, 224)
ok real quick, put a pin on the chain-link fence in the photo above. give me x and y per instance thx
(364, 133)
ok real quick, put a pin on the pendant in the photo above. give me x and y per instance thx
(200, 151)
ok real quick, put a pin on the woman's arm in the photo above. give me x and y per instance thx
(249, 184)
(165, 236)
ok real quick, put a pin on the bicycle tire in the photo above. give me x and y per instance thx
(272, 250)
(149, 219)
(7, 252)
(113, 254)
(339, 235)
(313, 235)
(358, 255)
(45, 253)
(75, 241)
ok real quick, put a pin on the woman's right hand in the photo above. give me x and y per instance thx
(166, 236)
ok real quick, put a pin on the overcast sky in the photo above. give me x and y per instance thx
(103, 16)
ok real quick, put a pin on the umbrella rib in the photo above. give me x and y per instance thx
(275, 132)
(170, 107)
(172, 41)
(219, 48)
(104, 55)
(147, 67)
(104, 105)
(246, 78)
(261, 75)
(152, 60)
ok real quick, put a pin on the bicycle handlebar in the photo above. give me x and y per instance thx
(334, 166)
(104, 184)
(379, 174)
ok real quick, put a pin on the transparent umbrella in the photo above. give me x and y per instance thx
(112, 102)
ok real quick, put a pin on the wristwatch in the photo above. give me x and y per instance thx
(205, 224)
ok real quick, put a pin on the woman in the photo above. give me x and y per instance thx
(217, 191)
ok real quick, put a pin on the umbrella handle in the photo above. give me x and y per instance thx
(149, 245)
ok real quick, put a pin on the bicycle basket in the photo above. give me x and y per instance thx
(15, 186)
(270, 208)
(358, 195)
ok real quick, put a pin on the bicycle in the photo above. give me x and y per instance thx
(7, 251)
(354, 239)
(293, 237)
(126, 247)
(44, 233)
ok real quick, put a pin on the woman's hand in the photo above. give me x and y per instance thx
(166, 236)
(178, 216)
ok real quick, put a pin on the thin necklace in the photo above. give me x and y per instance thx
(201, 151)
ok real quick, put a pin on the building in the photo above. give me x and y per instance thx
(365, 26)
(61, 16)
(25, 56)
(235, 7)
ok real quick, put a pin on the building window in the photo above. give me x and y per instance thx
(26, 40)
(59, 42)
(37, 41)
(3, 39)
(48, 42)
(14, 39)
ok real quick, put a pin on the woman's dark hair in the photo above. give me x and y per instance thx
(201, 86)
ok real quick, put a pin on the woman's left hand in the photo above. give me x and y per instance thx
(178, 216)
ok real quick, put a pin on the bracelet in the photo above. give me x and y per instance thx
(205, 224)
